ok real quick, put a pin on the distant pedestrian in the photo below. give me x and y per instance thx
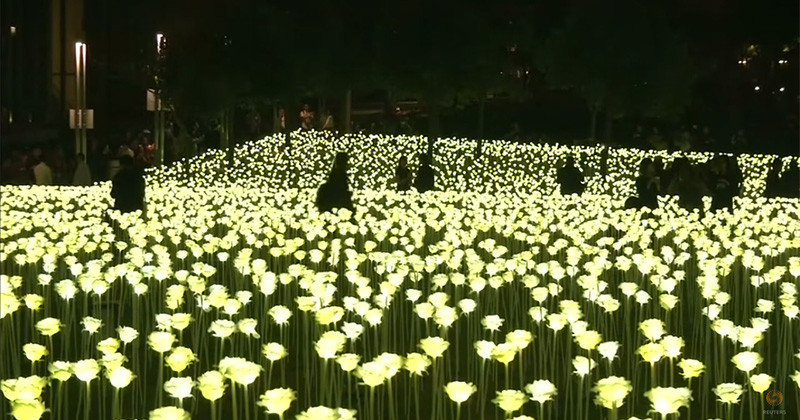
(774, 181)
(128, 187)
(82, 175)
(570, 178)
(689, 186)
(790, 182)
(647, 187)
(425, 180)
(306, 118)
(402, 175)
(42, 173)
(335, 192)
(722, 190)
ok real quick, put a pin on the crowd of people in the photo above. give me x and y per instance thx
(720, 177)
(52, 166)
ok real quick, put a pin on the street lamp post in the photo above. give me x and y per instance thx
(81, 118)
(159, 135)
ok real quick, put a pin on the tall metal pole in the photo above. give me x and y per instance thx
(78, 97)
(84, 107)
(159, 115)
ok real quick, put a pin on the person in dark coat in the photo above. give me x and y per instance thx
(127, 187)
(403, 175)
(689, 186)
(335, 192)
(774, 180)
(425, 176)
(570, 178)
(790, 181)
(647, 187)
(719, 182)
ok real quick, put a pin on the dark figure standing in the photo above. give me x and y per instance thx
(127, 187)
(721, 184)
(688, 185)
(403, 175)
(774, 179)
(335, 192)
(425, 176)
(648, 187)
(570, 178)
(790, 181)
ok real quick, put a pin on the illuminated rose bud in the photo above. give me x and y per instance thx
(169, 413)
(277, 401)
(728, 393)
(667, 401)
(541, 391)
(34, 352)
(510, 400)
(459, 391)
(611, 391)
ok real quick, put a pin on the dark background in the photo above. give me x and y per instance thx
(462, 68)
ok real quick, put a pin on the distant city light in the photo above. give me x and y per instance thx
(783, 61)
(159, 41)
(742, 62)
(757, 88)
(781, 89)
(13, 30)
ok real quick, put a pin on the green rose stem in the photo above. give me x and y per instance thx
(507, 376)
(752, 403)
(246, 404)
(653, 375)
(415, 392)
(325, 388)
(213, 410)
(580, 398)
(115, 411)
(88, 405)
(372, 403)
(160, 382)
(689, 406)
(482, 385)
(233, 398)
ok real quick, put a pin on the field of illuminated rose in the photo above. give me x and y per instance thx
(239, 301)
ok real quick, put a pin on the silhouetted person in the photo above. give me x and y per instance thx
(403, 175)
(127, 187)
(774, 180)
(735, 176)
(688, 185)
(720, 180)
(570, 178)
(790, 181)
(647, 187)
(335, 192)
(82, 175)
(42, 173)
(425, 175)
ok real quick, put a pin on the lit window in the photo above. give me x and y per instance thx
(757, 88)
(781, 89)
(13, 30)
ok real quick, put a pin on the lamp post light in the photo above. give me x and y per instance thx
(154, 103)
(81, 118)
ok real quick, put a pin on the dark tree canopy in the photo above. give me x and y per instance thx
(622, 61)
